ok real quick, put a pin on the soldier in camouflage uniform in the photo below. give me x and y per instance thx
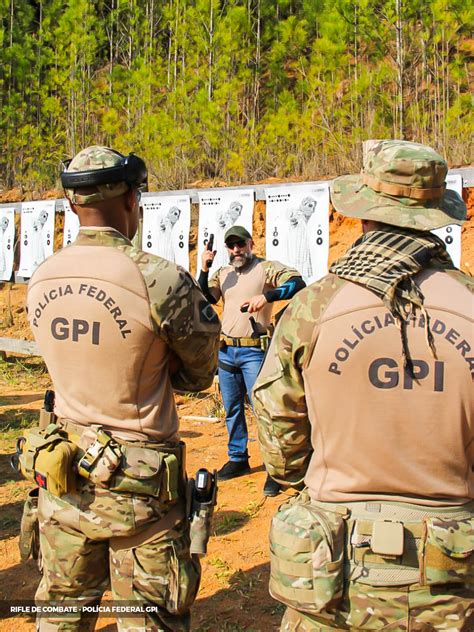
(365, 403)
(119, 329)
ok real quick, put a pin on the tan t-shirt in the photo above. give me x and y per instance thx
(106, 316)
(235, 287)
(336, 408)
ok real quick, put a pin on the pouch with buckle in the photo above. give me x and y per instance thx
(148, 472)
(448, 551)
(46, 458)
(306, 555)
(100, 458)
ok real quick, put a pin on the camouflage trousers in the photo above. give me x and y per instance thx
(397, 608)
(92, 540)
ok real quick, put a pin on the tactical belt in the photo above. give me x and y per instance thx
(174, 454)
(402, 527)
(240, 342)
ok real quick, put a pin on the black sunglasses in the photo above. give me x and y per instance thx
(240, 243)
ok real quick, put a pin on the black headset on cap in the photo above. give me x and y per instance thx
(131, 169)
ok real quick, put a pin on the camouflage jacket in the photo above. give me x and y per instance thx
(284, 429)
(336, 408)
(118, 328)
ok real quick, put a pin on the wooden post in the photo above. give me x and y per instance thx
(8, 320)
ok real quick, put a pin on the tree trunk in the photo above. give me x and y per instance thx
(211, 51)
(400, 54)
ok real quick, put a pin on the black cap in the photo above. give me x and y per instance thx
(237, 231)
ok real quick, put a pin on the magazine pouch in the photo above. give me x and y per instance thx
(306, 555)
(448, 551)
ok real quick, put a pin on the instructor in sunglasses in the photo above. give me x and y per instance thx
(248, 286)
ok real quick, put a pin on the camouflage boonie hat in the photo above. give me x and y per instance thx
(91, 158)
(402, 184)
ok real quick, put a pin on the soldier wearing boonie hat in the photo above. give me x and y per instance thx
(365, 403)
(119, 329)
(402, 184)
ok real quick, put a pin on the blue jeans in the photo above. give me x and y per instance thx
(247, 360)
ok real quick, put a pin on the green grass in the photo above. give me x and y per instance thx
(215, 407)
(222, 570)
(228, 522)
(14, 421)
(252, 509)
(274, 609)
(24, 372)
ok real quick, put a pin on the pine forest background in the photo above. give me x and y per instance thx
(239, 90)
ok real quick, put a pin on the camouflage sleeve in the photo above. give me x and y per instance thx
(276, 273)
(464, 279)
(284, 429)
(187, 322)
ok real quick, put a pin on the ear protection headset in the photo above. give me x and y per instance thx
(131, 170)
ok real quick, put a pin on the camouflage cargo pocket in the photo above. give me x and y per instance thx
(164, 572)
(185, 576)
(448, 551)
(306, 555)
(140, 472)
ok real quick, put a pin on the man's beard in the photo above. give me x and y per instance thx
(240, 261)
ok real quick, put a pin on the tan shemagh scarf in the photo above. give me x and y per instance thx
(385, 262)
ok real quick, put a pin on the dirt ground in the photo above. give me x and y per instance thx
(233, 595)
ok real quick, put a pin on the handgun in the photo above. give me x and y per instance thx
(203, 500)
(210, 243)
(209, 247)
